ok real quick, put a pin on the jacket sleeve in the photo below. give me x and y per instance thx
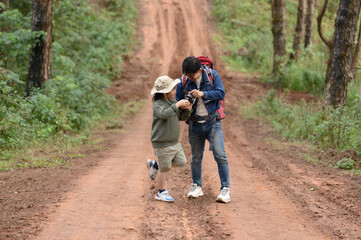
(164, 112)
(217, 93)
(184, 114)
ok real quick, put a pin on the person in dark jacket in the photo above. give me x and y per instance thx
(167, 113)
(204, 124)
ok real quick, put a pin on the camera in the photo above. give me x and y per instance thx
(190, 98)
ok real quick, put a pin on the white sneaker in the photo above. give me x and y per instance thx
(152, 170)
(196, 191)
(224, 196)
(164, 196)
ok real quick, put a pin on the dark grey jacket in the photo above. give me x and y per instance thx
(165, 126)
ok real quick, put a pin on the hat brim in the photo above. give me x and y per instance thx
(165, 90)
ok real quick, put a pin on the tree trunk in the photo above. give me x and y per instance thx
(279, 33)
(39, 69)
(340, 73)
(299, 30)
(6, 3)
(309, 22)
(355, 60)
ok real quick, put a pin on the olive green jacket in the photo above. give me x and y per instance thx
(165, 126)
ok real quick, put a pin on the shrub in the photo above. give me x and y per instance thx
(338, 129)
(82, 68)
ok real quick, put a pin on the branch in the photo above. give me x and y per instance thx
(319, 27)
(356, 57)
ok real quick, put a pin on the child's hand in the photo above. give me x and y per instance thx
(190, 106)
(183, 104)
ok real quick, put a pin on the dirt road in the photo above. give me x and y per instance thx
(269, 189)
(115, 201)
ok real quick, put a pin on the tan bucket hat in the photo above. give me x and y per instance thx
(164, 84)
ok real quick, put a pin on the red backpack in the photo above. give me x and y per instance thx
(207, 65)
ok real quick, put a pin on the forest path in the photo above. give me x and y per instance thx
(116, 199)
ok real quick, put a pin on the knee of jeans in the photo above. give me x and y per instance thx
(196, 160)
(222, 161)
(221, 158)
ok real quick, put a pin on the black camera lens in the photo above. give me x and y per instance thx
(190, 98)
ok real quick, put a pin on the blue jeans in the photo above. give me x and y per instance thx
(197, 139)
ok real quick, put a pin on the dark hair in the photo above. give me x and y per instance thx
(157, 96)
(191, 65)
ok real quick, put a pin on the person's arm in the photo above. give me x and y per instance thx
(217, 93)
(185, 113)
(164, 112)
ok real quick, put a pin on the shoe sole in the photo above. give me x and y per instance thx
(195, 196)
(163, 200)
(222, 201)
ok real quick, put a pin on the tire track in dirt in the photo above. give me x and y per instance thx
(182, 220)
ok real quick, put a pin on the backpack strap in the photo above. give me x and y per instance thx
(184, 79)
(209, 73)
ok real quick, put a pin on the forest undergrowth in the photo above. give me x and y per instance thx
(248, 40)
(82, 68)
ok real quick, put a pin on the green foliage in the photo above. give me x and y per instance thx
(90, 36)
(24, 6)
(248, 42)
(64, 146)
(248, 46)
(346, 163)
(308, 78)
(337, 129)
(243, 29)
(87, 50)
(15, 44)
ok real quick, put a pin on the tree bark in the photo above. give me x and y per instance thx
(39, 69)
(309, 22)
(356, 57)
(6, 3)
(299, 30)
(278, 8)
(340, 73)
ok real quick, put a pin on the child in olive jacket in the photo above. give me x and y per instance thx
(167, 113)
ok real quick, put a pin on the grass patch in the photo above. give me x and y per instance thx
(247, 43)
(339, 130)
(63, 148)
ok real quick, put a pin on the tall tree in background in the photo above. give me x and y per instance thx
(309, 22)
(6, 3)
(299, 30)
(39, 69)
(278, 8)
(343, 52)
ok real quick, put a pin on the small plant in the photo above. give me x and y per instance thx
(346, 164)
